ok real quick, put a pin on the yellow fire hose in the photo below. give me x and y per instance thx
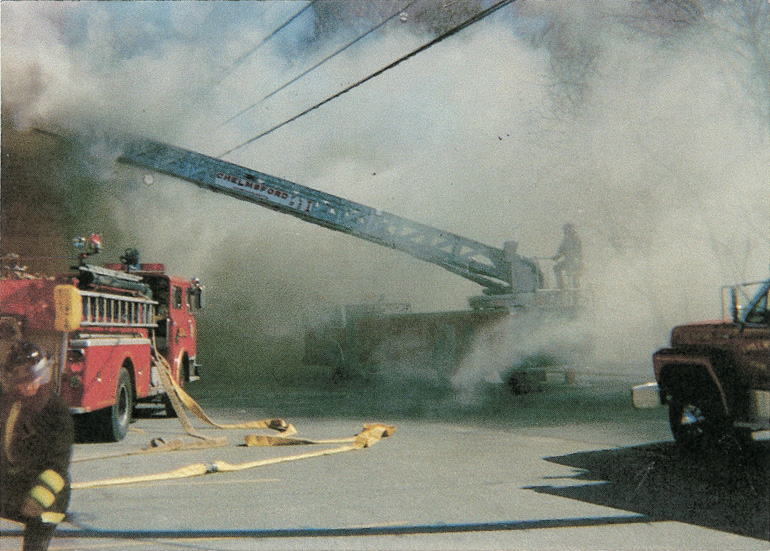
(366, 438)
(179, 400)
(159, 445)
(371, 434)
(179, 397)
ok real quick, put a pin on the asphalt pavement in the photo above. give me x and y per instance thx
(569, 467)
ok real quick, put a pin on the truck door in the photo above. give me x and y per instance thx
(753, 344)
(182, 330)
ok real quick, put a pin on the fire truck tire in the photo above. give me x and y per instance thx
(118, 416)
(697, 421)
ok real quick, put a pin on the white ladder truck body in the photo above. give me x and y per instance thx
(350, 337)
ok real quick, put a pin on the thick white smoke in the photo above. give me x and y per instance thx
(626, 122)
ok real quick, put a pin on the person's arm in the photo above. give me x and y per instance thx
(560, 253)
(45, 498)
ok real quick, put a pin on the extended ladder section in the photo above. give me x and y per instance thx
(485, 265)
(105, 310)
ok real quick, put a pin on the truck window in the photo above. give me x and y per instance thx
(760, 313)
(177, 298)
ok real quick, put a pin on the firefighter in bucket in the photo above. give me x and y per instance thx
(37, 437)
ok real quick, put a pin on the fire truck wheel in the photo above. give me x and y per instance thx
(697, 422)
(120, 412)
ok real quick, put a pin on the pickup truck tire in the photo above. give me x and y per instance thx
(696, 422)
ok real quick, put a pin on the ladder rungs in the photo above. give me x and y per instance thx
(101, 310)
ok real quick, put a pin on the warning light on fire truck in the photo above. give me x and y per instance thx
(89, 246)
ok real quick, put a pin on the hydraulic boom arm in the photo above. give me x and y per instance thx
(485, 265)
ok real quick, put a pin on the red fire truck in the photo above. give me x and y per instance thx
(104, 325)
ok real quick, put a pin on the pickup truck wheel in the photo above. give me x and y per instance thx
(696, 422)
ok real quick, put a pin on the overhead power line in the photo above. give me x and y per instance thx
(324, 60)
(201, 93)
(246, 55)
(454, 30)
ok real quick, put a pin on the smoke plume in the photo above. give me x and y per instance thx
(645, 124)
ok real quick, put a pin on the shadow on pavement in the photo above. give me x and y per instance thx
(726, 489)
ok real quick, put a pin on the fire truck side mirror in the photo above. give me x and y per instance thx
(196, 290)
(68, 305)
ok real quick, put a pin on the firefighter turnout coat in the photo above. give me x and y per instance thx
(35, 452)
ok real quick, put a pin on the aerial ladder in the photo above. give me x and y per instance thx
(508, 279)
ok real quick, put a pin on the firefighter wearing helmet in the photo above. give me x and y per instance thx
(37, 436)
(569, 258)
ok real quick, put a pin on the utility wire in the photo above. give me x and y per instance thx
(244, 56)
(478, 17)
(227, 71)
(324, 60)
